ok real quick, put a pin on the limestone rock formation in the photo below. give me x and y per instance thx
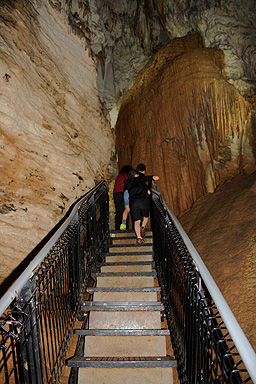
(186, 122)
(122, 35)
(56, 138)
(125, 34)
(222, 227)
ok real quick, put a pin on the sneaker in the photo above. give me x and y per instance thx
(140, 241)
(142, 231)
(123, 227)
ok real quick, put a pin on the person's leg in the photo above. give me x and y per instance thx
(119, 206)
(135, 212)
(124, 224)
(137, 228)
(144, 222)
(126, 211)
(143, 226)
(145, 214)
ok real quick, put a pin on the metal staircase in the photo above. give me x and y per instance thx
(124, 342)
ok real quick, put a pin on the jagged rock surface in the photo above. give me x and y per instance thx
(226, 25)
(55, 138)
(186, 122)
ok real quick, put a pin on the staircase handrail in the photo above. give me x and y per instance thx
(241, 342)
(15, 288)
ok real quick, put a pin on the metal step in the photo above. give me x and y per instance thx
(125, 320)
(128, 263)
(139, 253)
(128, 232)
(121, 306)
(122, 332)
(122, 362)
(119, 231)
(123, 289)
(125, 296)
(147, 236)
(131, 245)
(125, 274)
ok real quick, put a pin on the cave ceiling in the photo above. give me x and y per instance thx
(124, 34)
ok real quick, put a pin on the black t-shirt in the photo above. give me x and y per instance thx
(137, 188)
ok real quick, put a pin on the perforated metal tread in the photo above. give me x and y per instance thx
(123, 289)
(147, 236)
(126, 263)
(122, 362)
(131, 245)
(122, 306)
(127, 231)
(129, 274)
(122, 332)
(136, 253)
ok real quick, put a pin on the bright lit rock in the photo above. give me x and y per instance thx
(185, 121)
(55, 137)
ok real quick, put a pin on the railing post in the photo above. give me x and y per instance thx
(28, 344)
(75, 267)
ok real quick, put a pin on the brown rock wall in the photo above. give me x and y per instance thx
(222, 227)
(178, 113)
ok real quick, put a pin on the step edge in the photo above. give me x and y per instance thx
(124, 263)
(87, 361)
(121, 303)
(122, 332)
(124, 274)
(123, 289)
(130, 245)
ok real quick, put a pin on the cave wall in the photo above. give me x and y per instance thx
(222, 227)
(56, 137)
(186, 122)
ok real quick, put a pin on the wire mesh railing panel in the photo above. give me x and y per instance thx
(36, 328)
(202, 344)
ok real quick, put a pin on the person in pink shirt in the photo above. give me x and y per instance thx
(122, 210)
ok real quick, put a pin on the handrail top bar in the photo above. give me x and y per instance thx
(15, 288)
(241, 342)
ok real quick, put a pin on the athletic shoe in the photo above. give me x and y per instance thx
(142, 231)
(140, 241)
(123, 227)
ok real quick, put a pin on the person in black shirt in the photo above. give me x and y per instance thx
(138, 198)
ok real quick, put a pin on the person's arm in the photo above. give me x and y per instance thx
(149, 178)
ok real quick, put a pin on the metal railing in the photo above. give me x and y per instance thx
(39, 310)
(208, 343)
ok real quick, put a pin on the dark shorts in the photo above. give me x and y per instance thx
(139, 209)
